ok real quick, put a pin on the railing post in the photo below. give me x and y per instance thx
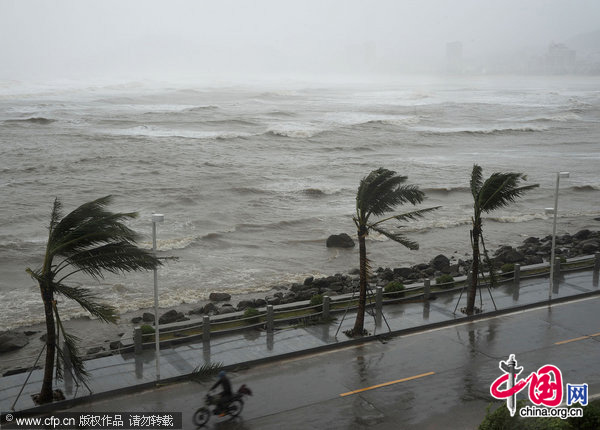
(205, 328)
(556, 275)
(379, 299)
(426, 288)
(326, 305)
(517, 274)
(270, 318)
(137, 340)
(597, 262)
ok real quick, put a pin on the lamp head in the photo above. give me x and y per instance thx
(158, 218)
(563, 174)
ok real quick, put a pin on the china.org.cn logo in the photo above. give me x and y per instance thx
(545, 390)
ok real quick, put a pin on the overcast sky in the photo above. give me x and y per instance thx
(67, 39)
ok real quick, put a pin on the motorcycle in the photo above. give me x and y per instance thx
(233, 408)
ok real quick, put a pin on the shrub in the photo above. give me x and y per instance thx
(317, 299)
(445, 279)
(500, 419)
(394, 287)
(508, 267)
(147, 332)
(252, 314)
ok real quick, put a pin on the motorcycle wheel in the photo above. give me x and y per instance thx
(201, 416)
(235, 408)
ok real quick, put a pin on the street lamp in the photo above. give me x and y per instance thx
(156, 218)
(554, 211)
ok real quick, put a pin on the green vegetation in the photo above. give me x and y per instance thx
(317, 299)
(394, 288)
(88, 241)
(253, 314)
(446, 280)
(507, 268)
(379, 193)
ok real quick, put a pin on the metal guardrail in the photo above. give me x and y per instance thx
(273, 316)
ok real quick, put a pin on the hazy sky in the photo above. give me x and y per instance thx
(49, 39)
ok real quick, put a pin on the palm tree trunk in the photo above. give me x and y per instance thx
(362, 297)
(472, 294)
(46, 392)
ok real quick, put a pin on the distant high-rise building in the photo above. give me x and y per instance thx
(454, 57)
(560, 59)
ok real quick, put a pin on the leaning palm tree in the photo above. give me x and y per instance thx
(379, 193)
(499, 190)
(91, 241)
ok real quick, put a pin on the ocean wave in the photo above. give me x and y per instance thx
(478, 131)
(250, 190)
(293, 133)
(33, 120)
(144, 130)
(446, 190)
(202, 108)
(585, 188)
(564, 117)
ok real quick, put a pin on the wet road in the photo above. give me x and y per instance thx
(435, 380)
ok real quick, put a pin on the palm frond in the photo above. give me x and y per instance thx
(86, 299)
(370, 186)
(73, 356)
(408, 216)
(397, 237)
(393, 195)
(476, 180)
(118, 257)
(501, 189)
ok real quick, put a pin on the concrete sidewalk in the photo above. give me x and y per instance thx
(128, 371)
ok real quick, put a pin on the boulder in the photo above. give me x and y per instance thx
(439, 262)
(507, 254)
(219, 297)
(94, 350)
(532, 240)
(136, 320)
(148, 317)
(12, 341)
(582, 234)
(245, 304)
(590, 246)
(340, 241)
(405, 272)
(309, 280)
(226, 309)
(209, 309)
(171, 317)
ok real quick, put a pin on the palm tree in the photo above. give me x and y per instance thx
(90, 240)
(378, 193)
(499, 190)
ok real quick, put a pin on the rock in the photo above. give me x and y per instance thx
(30, 333)
(148, 317)
(209, 309)
(115, 345)
(219, 297)
(196, 311)
(309, 280)
(259, 303)
(387, 275)
(507, 254)
(340, 241)
(273, 300)
(245, 304)
(439, 262)
(590, 246)
(403, 272)
(532, 240)
(533, 259)
(336, 286)
(44, 337)
(226, 309)
(136, 320)
(12, 341)
(94, 350)
(582, 234)
(171, 317)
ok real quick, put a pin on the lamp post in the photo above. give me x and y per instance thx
(554, 211)
(156, 218)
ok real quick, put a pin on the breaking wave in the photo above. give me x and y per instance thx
(34, 120)
(481, 131)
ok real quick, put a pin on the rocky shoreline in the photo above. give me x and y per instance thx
(533, 250)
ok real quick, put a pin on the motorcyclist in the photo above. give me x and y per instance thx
(225, 395)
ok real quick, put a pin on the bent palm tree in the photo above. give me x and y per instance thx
(378, 193)
(90, 240)
(499, 190)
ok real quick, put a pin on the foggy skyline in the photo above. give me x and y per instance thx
(46, 40)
